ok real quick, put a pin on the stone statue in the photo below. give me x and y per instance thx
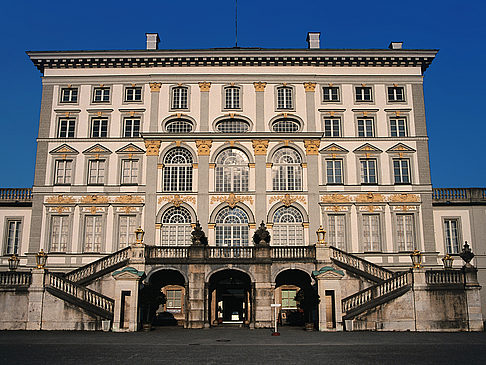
(261, 236)
(198, 236)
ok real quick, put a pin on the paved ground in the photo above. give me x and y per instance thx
(238, 346)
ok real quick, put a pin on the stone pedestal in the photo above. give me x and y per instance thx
(328, 279)
(323, 254)
(36, 299)
(472, 287)
(196, 290)
(127, 284)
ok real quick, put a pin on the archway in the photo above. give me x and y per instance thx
(297, 296)
(229, 297)
(171, 284)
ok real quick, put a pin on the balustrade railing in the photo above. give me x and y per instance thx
(460, 195)
(293, 252)
(100, 265)
(439, 277)
(79, 292)
(16, 194)
(360, 264)
(14, 278)
(367, 295)
(230, 252)
(166, 252)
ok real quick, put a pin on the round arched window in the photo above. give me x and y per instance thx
(232, 125)
(178, 126)
(285, 125)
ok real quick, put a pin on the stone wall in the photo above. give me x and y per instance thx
(13, 309)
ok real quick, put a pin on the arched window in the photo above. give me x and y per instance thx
(176, 227)
(232, 125)
(178, 126)
(287, 170)
(232, 171)
(285, 125)
(231, 227)
(177, 170)
(287, 227)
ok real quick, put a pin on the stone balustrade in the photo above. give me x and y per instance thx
(16, 194)
(14, 278)
(441, 277)
(459, 195)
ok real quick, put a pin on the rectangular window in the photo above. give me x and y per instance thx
(336, 231)
(368, 171)
(371, 232)
(93, 233)
(288, 299)
(174, 300)
(99, 128)
(179, 98)
(63, 173)
(405, 232)
(13, 236)
(332, 127)
(330, 93)
(365, 128)
(69, 95)
(133, 94)
(396, 93)
(101, 94)
(126, 230)
(401, 171)
(232, 98)
(451, 234)
(59, 233)
(129, 172)
(398, 127)
(66, 128)
(96, 172)
(363, 93)
(131, 127)
(284, 98)
(334, 171)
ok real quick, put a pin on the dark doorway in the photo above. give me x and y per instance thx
(229, 298)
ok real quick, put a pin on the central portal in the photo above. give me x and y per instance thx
(229, 298)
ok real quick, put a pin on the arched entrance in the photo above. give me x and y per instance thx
(229, 297)
(297, 296)
(172, 285)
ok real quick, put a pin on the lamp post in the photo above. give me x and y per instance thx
(416, 257)
(447, 260)
(13, 262)
(41, 259)
(139, 235)
(321, 234)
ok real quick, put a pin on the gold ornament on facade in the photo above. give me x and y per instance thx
(94, 199)
(67, 114)
(203, 147)
(338, 208)
(260, 147)
(335, 198)
(404, 198)
(128, 209)
(129, 199)
(397, 113)
(231, 199)
(312, 147)
(310, 86)
(370, 198)
(155, 86)
(287, 199)
(259, 86)
(152, 148)
(60, 209)
(93, 210)
(177, 200)
(60, 199)
(204, 86)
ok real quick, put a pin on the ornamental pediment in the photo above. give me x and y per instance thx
(130, 148)
(97, 149)
(64, 149)
(333, 148)
(367, 148)
(400, 148)
(328, 272)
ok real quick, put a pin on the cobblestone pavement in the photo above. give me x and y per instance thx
(239, 346)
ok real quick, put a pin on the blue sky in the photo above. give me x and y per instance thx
(454, 84)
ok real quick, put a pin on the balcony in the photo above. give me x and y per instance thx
(16, 196)
(458, 196)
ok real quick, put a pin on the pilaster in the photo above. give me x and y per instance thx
(312, 150)
(150, 212)
(204, 106)
(154, 106)
(36, 300)
(260, 105)
(202, 209)
(260, 152)
(310, 105)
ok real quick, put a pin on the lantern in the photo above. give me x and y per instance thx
(139, 235)
(416, 257)
(41, 259)
(321, 234)
(13, 262)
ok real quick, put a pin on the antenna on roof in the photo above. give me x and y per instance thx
(236, 23)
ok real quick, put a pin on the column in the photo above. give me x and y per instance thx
(260, 152)
(154, 106)
(196, 295)
(260, 105)
(203, 151)
(310, 105)
(312, 151)
(152, 154)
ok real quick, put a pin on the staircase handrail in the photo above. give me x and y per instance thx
(103, 263)
(360, 264)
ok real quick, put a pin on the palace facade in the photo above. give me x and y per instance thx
(230, 140)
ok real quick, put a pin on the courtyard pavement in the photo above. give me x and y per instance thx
(241, 346)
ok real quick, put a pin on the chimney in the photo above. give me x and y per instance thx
(395, 45)
(313, 41)
(152, 41)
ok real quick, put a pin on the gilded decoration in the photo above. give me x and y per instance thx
(259, 86)
(177, 200)
(128, 209)
(335, 198)
(260, 146)
(312, 147)
(204, 86)
(155, 86)
(370, 198)
(370, 208)
(60, 199)
(304, 165)
(310, 86)
(203, 147)
(405, 198)
(337, 208)
(94, 199)
(405, 208)
(231, 199)
(152, 148)
(287, 199)
(129, 199)
(60, 209)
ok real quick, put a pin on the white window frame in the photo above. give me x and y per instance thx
(401, 173)
(231, 171)
(360, 94)
(176, 227)
(127, 224)
(129, 171)
(331, 179)
(365, 171)
(288, 229)
(59, 237)
(327, 91)
(96, 236)
(371, 232)
(366, 127)
(96, 171)
(232, 228)
(398, 127)
(69, 131)
(285, 98)
(452, 235)
(287, 170)
(332, 127)
(72, 97)
(133, 129)
(13, 236)
(336, 234)
(135, 97)
(99, 126)
(405, 232)
(179, 98)
(177, 173)
(288, 299)
(395, 94)
(232, 98)
(61, 167)
(104, 95)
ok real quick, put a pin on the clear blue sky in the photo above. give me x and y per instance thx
(454, 84)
